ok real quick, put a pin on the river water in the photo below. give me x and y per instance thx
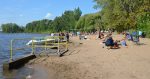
(5, 39)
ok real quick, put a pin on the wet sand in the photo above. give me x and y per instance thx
(90, 61)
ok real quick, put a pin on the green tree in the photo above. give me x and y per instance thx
(39, 26)
(65, 22)
(11, 28)
(90, 22)
(144, 23)
(122, 14)
(77, 13)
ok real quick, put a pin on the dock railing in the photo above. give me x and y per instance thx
(14, 47)
(48, 42)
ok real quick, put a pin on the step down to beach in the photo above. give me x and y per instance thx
(47, 53)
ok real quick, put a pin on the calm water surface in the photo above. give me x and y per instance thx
(5, 39)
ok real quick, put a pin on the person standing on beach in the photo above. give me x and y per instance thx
(67, 36)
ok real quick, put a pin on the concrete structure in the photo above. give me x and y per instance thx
(17, 63)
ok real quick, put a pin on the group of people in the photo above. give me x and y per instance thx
(107, 40)
(62, 35)
(134, 37)
(114, 44)
(110, 42)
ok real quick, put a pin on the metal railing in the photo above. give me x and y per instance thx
(47, 42)
(13, 49)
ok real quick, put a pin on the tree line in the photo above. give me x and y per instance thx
(12, 28)
(124, 15)
(120, 15)
(64, 22)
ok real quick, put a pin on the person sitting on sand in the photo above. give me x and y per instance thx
(129, 37)
(105, 39)
(123, 42)
(110, 43)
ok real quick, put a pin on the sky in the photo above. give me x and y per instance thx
(25, 11)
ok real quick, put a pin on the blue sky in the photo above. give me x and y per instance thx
(24, 11)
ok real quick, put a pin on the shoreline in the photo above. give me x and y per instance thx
(90, 61)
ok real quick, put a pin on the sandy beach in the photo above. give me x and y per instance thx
(86, 59)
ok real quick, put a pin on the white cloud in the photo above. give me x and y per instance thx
(48, 15)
